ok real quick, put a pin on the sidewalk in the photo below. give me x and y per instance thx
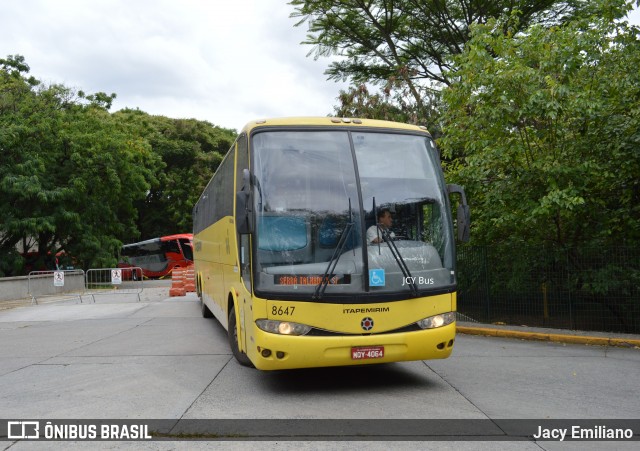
(554, 335)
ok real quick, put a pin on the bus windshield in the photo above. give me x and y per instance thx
(157, 257)
(318, 193)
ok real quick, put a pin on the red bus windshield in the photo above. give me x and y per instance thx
(158, 256)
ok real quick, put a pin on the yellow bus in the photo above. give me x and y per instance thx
(281, 252)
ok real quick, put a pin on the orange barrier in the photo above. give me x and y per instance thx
(190, 279)
(177, 282)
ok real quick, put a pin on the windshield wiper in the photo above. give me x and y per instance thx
(401, 263)
(398, 257)
(324, 281)
(395, 252)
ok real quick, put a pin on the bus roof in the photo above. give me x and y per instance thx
(331, 121)
(188, 236)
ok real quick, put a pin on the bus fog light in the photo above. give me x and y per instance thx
(433, 322)
(283, 327)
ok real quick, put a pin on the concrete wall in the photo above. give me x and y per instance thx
(13, 288)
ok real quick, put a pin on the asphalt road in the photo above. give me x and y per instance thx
(159, 359)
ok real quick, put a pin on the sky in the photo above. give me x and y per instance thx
(224, 61)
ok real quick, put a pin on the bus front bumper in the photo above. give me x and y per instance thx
(276, 352)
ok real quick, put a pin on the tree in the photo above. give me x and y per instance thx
(77, 178)
(543, 126)
(390, 104)
(408, 41)
(109, 168)
(191, 151)
(69, 174)
(15, 90)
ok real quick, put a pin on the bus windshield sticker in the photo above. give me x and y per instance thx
(376, 278)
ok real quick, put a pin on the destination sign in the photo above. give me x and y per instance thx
(311, 279)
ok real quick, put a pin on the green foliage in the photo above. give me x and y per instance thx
(391, 104)
(69, 175)
(406, 45)
(543, 126)
(113, 169)
(408, 39)
(191, 151)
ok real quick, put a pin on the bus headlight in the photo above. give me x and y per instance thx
(443, 319)
(282, 327)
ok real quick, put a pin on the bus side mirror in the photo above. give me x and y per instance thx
(243, 205)
(464, 223)
(464, 214)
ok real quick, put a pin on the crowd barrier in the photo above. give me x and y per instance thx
(114, 281)
(42, 284)
(76, 283)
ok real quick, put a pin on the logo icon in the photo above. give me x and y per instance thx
(367, 323)
(23, 429)
(376, 278)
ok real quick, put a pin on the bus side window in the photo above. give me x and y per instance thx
(172, 247)
(187, 250)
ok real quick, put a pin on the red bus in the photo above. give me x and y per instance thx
(158, 256)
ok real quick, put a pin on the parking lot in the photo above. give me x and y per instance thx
(157, 359)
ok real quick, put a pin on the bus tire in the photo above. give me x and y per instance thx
(240, 356)
(198, 286)
(206, 313)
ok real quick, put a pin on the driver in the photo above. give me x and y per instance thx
(374, 233)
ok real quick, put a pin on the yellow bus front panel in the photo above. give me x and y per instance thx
(349, 334)
(274, 352)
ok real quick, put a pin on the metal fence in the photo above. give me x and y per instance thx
(580, 289)
(76, 283)
(114, 281)
(58, 284)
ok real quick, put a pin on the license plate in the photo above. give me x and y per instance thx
(369, 352)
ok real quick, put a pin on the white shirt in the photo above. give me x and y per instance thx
(373, 233)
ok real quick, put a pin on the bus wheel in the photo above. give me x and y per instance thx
(206, 313)
(240, 356)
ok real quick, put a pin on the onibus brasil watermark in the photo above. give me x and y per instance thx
(50, 430)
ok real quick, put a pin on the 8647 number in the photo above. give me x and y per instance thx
(278, 310)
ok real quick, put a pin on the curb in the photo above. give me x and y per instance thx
(557, 338)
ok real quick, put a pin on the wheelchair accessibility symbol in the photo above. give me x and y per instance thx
(376, 278)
